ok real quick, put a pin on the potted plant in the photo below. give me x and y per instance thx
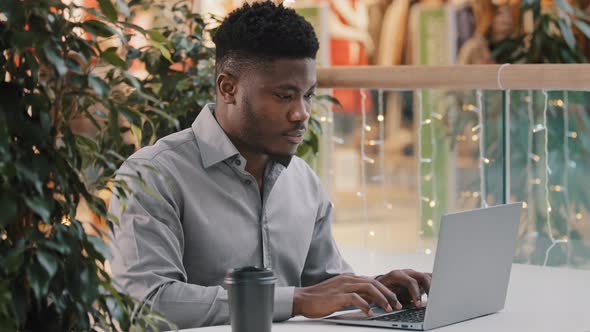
(72, 109)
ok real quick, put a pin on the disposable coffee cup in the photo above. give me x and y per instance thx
(251, 298)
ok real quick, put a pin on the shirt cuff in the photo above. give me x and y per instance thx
(283, 305)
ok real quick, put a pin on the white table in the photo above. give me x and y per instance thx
(539, 298)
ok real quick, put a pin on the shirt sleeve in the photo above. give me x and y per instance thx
(323, 259)
(148, 245)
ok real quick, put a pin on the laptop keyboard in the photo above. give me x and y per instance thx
(408, 316)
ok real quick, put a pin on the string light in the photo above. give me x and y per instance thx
(547, 172)
(474, 138)
(363, 156)
(481, 124)
(369, 160)
(434, 152)
(535, 157)
(524, 205)
(566, 158)
(380, 120)
(420, 102)
(579, 216)
(428, 251)
(529, 166)
(372, 142)
(539, 127)
(337, 140)
(469, 108)
(367, 128)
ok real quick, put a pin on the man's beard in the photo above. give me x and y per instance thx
(252, 121)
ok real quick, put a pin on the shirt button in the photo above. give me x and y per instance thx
(248, 182)
(238, 162)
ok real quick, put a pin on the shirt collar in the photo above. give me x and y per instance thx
(213, 142)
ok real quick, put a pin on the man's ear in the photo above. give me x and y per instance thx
(227, 86)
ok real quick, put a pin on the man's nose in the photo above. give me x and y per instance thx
(300, 111)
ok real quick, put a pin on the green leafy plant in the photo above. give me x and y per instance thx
(554, 37)
(56, 71)
(71, 111)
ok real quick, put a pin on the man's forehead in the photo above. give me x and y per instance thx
(287, 74)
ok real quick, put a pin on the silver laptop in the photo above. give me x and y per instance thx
(470, 276)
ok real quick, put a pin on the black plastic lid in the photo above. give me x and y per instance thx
(249, 274)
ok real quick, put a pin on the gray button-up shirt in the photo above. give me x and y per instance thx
(201, 214)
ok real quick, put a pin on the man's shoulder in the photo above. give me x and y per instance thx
(301, 169)
(177, 145)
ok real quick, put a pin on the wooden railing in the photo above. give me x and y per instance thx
(502, 77)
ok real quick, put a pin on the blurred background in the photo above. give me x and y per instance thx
(393, 167)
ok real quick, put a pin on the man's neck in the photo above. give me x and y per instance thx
(255, 161)
(255, 164)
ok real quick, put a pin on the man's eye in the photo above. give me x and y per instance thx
(309, 96)
(283, 97)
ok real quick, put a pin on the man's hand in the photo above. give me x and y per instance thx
(408, 285)
(338, 292)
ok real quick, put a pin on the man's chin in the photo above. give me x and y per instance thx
(282, 155)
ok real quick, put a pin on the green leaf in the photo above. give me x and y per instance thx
(583, 26)
(48, 261)
(156, 35)
(97, 28)
(107, 8)
(86, 143)
(98, 85)
(329, 99)
(568, 35)
(565, 6)
(38, 280)
(111, 57)
(163, 50)
(55, 59)
(60, 247)
(136, 132)
(8, 208)
(14, 259)
(100, 246)
(133, 116)
(123, 7)
(40, 206)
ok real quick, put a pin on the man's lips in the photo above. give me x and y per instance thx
(295, 136)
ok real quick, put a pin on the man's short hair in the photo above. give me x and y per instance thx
(263, 32)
